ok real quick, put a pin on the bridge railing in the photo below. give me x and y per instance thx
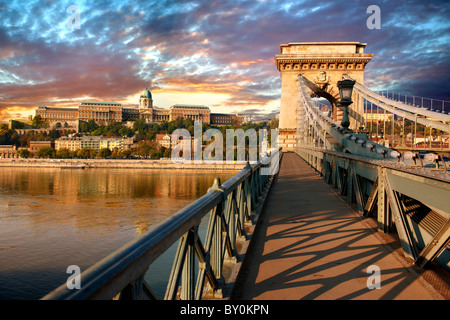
(412, 201)
(400, 122)
(314, 128)
(233, 208)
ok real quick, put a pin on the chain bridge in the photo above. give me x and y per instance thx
(362, 185)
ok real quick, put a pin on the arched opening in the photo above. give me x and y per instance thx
(327, 95)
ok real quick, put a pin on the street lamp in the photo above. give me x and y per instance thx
(345, 91)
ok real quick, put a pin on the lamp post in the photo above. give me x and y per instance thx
(345, 91)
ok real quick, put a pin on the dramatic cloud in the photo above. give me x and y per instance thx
(219, 53)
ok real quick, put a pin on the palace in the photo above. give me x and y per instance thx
(105, 112)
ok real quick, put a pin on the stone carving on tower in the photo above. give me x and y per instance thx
(322, 80)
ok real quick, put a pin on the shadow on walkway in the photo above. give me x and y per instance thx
(310, 244)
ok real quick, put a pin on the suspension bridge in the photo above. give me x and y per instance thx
(353, 191)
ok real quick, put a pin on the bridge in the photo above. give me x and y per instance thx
(348, 198)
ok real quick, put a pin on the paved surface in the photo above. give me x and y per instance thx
(310, 244)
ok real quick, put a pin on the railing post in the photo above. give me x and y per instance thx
(216, 252)
(250, 192)
(383, 208)
(350, 187)
(241, 210)
(188, 277)
(178, 263)
(216, 249)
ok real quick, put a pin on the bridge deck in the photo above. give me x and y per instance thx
(310, 244)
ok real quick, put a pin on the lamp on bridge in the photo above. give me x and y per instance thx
(345, 91)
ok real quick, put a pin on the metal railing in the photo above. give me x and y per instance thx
(233, 207)
(409, 200)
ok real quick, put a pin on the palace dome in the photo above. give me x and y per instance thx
(146, 94)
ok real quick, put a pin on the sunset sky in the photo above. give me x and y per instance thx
(214, 53)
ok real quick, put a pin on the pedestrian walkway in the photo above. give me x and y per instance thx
(310, 244)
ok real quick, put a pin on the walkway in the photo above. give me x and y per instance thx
(310, 244)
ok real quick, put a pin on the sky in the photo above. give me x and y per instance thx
(214, 53)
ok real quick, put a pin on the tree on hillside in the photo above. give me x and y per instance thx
(104, 153)
(140, 125)
(64, 153)
(45, 152)
(24, 153)
(38, 121)
(86, 153)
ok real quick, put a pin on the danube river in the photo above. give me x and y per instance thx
(53, 218)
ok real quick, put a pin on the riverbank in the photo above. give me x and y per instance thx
(119, 164)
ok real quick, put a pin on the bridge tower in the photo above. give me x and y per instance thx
(322, 64)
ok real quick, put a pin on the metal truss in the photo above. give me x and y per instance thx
(414, 204)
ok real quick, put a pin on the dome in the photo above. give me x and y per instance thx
(146, 94)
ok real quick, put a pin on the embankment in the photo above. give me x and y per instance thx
(119, 164)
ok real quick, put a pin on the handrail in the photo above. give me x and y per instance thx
(402, 109)
(122, 272)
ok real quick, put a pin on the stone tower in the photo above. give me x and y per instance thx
(322, 64)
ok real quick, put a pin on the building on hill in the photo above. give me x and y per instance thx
(166, 140)
(223, 119)
(8, 151)
(36, 145)
(103, 112)
(93, 142)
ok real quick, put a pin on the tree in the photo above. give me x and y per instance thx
(92, 125)
(45, 152)
(125, 132)
(126, 154)
(38, 121)
(140, 125)
(64, 153)
(172, 127)
(86, 153)
(104, 153)
(54, 134)
(144, 149)
(83, 127)
(167, 153)
(24, 153)
(89, 126)
(187, 122)
(163, 126)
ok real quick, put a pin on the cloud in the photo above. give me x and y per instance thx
(218, 48)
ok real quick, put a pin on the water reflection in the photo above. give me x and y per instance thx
(52, 218)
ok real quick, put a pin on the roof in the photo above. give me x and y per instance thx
(162, 136)
(188, 106)
(146, 94)
(325, 43)
(220, 115)
(100, 103)
(57, 108)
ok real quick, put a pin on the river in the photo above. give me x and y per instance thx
(53, 218)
